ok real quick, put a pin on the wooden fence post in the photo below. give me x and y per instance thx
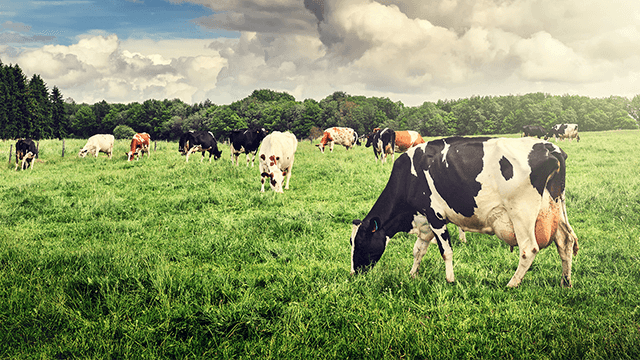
(37, 149)
(62, 147)
(155, 145)
(10, 151)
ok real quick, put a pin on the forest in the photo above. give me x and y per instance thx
(29, 109)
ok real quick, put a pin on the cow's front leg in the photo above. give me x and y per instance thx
(262, 181)
(419, 249)
(444, 244)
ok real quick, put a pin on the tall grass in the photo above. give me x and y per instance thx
(159, 258)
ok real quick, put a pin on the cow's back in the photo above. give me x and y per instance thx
(102, 142)
(281, 145)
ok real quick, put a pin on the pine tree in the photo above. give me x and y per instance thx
(58, 116)
(39, 109)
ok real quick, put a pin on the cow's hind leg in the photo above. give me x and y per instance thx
(528, 250)
(565, 242)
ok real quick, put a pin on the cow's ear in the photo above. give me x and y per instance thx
(357, 222)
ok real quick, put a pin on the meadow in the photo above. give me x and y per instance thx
(158, 258)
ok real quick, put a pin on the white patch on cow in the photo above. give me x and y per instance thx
(445, 150)
(354, 231)
(411, 153)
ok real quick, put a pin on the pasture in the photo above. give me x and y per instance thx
(159, 258)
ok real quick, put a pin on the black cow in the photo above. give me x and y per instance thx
(383, 143)
(202, 141)
(27, 151)
(246, 141)
(564, 131)
(534, 130)
(513, 188)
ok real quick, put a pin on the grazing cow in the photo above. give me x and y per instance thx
(139, 145)
(246, 141)
(97, 144)
(407, 139)
(564, 131)
(202, 141)
(383, 143)
(276, 159)
(534, 130)
(344, 136)
(513, 188)
(27, 151)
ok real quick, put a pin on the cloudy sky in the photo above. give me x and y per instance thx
(407, 50)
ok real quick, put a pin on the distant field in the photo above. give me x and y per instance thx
(159, 258)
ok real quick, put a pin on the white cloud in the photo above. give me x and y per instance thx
(101, 67)
(403, 49)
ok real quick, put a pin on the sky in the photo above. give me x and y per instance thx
(123, 51)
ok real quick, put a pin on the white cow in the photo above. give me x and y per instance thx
(276, 159)
(98, 143)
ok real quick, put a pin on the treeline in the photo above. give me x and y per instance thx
(27, 109)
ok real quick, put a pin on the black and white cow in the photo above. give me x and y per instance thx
(202, 141)
(26, 151)
(383, 143)
(513, 188)
(563, 131)
(246, 141)
(534, 130)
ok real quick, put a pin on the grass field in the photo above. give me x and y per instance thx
(165, 259)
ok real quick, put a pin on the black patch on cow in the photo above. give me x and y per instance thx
(454, 176)
(544, 162)
(506, 168)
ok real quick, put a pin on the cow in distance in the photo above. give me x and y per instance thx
(140, 144)
(276, 159)
(344, 136)
(201, 141)
(246, 141)
(26, 151)
(383, 143)
(98, 143)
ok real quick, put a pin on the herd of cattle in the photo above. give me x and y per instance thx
(511, 188)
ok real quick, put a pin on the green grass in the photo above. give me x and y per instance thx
(165, 259)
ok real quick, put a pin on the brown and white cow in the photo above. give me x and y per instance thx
(513, 188)
(139, 145)
(406, 139)
(98, 143)
(276, 156)
(344, 136)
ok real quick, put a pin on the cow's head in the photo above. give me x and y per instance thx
(131, 154)
(216, 153)
(321, 147)
(273, 172)
(368, 241)
(183, 147)
(83, 152)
